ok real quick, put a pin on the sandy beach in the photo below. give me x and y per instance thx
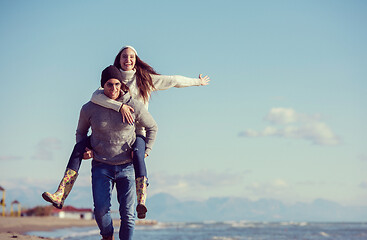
(16, 227)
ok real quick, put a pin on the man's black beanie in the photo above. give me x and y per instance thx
(110, 72)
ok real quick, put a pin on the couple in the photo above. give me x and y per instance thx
(123, 133)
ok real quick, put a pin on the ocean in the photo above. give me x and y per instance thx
(226, 231)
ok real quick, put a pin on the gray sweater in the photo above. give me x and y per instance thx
(111, 139)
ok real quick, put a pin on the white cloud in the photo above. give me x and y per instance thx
(269, 131)
(271, 185)
(279, 183)
(362, 157)
(319, 133)
(290, 124)
(196, 185)
(10, 158)
(363, 185)
(248, 133)
(25, 184)
(281, 116)
(46, 147)
(28, 191)
(276, 188)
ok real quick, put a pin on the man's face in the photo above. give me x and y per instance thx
(112, 88)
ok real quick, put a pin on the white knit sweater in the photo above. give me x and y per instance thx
(160, 82)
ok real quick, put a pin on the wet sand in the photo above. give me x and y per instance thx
(16, 227)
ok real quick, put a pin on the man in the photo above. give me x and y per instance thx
(111, 141)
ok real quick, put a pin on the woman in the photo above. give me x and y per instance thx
(112, 141)
(142, 80)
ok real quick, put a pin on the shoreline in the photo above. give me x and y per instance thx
(18, 227)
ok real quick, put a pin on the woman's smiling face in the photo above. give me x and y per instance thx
(127, 59)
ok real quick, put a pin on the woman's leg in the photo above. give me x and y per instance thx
(138, 157)
(71, 173)
(76, 156)
(125, 196)
(102, 185)
(140, 175)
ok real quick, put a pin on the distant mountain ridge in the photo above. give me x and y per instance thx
(165, 207)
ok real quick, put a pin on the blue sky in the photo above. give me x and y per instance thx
(284, 116)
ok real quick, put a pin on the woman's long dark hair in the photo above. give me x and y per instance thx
(143, 78)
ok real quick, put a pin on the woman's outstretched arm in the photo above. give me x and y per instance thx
(163, 82)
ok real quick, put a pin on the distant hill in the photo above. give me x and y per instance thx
(164, 207)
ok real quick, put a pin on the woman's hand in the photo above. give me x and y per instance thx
(126, 114)
(204, 80)
(88, 153)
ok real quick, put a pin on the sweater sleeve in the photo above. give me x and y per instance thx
(163, 82)
(83, 126)
(101, 99)
(146, 120)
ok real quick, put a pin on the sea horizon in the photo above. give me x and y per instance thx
(227, 230)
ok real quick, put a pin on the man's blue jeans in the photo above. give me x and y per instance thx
(104, 177)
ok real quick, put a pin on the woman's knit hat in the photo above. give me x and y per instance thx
(110, 72)
(127, 46)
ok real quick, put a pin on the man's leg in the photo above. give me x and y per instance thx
(125, 186)
(102, 185)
